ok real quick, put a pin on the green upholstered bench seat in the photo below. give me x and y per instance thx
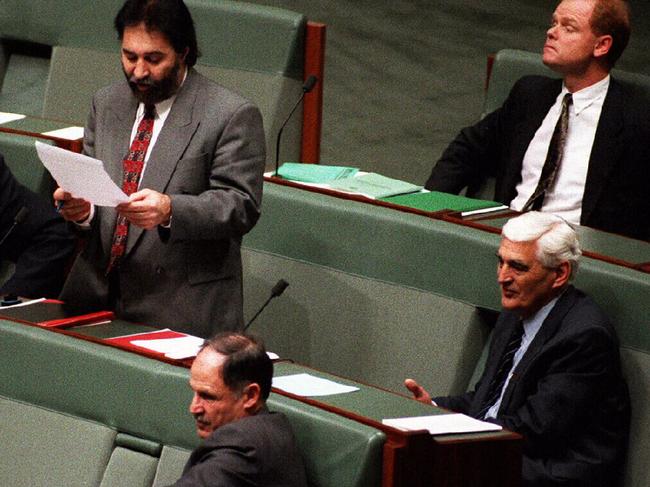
(79, 413)
(379, 295)
(54, 54)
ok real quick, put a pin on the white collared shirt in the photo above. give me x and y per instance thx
(162, 111)
(531, 327)
(565, 195)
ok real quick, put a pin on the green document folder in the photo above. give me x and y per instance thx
(436, 201)
(314, 173)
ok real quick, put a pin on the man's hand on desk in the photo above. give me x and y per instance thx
(71, 209)
(419, 393)
(147, 209)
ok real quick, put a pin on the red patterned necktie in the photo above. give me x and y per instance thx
(132, 169)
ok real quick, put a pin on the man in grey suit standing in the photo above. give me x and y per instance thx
(190, 154)
(244, 444)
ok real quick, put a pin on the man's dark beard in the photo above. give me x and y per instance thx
(158, 90)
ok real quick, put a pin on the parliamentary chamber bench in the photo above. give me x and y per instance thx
(378, 294)
(76, 413)
(55, 54)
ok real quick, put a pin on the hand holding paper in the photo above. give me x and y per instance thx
(147, 209)
(81, 176)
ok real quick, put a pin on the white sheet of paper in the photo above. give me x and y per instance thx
(441, 424)
(68, 133)
(24, 303)
(80, 175)
(6, 117)
(177, 348)
(310, 385)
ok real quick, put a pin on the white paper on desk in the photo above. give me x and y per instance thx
(176, 348)
(67, 133)
(24, 303)
(310, 385)
(80, 175)
(6, 117)
(441, 424)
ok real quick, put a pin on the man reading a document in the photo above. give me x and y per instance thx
(553, 372)
(190, 155)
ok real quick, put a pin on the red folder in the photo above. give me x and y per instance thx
(52, 313)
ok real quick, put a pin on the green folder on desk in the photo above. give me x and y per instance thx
(314, 173)
(437, 201)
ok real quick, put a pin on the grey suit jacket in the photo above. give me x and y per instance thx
(209, 158)
(566, 397)
(256, 451)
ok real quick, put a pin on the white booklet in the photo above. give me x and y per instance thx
(441, 424)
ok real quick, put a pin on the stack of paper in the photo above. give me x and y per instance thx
(442, 424)
(374, 186)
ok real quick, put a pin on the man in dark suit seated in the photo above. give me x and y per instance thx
(553, 371)
(39, 245)
(244, 444)
(190, 155)
(575, 147)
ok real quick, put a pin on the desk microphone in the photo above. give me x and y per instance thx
(277, 290)
(18, 219)
(306, 88)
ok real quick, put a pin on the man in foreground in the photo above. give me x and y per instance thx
(575, 147)
(553, 371)
(243, 443)
(39, 245)
(190, 155)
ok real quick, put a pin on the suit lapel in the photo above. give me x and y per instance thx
(606, 149)
(547, 331)
(505, 324)
(534, 113)
(172, 141)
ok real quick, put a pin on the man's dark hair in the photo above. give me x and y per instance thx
(246, 361)
(169, 17)
(612, 17)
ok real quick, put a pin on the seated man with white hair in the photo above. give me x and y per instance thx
(553, 371)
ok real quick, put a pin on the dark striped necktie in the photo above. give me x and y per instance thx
(553, 158)
(505, 364)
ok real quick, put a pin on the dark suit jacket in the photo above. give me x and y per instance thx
(256, 451)
(615, 197)
(40, 246)
(209, 158)
(566, 397)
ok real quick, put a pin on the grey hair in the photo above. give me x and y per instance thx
(557, 241)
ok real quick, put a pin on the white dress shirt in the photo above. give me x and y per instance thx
(564, 197)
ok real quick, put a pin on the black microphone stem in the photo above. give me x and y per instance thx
(306, 88)
(277, 141)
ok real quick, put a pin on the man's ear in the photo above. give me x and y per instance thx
(603, 45)
(252, 396)
(562, 275)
